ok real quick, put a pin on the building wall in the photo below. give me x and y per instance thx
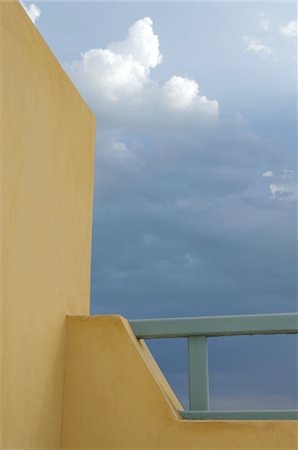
(47, 139)
(115, 398)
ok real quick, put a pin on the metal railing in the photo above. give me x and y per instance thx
(197, 330)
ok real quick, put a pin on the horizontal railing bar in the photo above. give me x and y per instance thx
(286, 323)
(240, 415)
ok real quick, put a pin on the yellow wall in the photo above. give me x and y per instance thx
(46, 139)
(115, 399)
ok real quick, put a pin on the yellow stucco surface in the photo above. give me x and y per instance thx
(115, 399)
(47, 139)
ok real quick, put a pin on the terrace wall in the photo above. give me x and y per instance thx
(116, 398)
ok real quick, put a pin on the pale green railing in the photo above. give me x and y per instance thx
(198, 330)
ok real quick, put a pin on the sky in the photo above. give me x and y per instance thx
(195, 206)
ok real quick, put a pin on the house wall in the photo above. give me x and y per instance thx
(46, 159)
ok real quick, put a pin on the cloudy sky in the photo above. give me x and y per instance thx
(195, 173)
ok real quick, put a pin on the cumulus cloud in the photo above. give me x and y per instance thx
(290, 29)
(121, 70)
(180, 93)
(255, 45)
(118, 79)
(108, 75)
(141, 44)
(278, 191)
(286, 187)
(265, 24)
(175, 199)
(184, 223)
(33, 11)
(268, 173)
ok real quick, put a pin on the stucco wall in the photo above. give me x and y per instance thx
(46, 139)
(116, 399)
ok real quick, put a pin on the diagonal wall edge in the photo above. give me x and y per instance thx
(116, 399)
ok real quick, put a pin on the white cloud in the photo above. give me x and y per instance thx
(181, 93)
(285, 187)
(117, 80)
(254, 45)
(265, 24)
(290, 29)
(123, 69)
(284, 191)
(141, 44)
(268, 173)
(120, 147)
(277, 191)
(107, 74)
(33, 11)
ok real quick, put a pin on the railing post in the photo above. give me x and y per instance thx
(198, 373)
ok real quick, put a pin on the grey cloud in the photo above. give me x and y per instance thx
(184, 223)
